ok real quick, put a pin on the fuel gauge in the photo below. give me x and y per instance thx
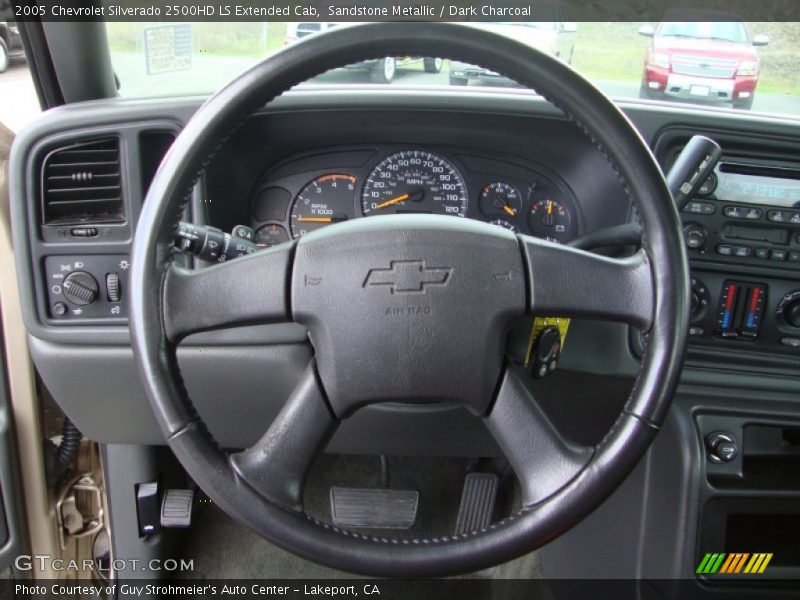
(271, 235)
(551, 219)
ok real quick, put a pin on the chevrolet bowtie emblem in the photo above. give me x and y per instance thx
(408, 276)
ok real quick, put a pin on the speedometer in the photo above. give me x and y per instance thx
(414, 181)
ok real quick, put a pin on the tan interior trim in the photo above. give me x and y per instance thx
(43, 539)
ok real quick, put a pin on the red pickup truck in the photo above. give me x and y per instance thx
(702, 62)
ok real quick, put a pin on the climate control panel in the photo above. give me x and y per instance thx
(86, 287)
(758, 313)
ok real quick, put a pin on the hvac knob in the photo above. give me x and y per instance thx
(80, 288)
(792, 313)
(694, 235)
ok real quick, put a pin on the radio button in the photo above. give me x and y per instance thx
(700, 208)
(778, 254)
(742, 251)
(762, 253)
(783, 216)
(735, 212)
(753, 214)
(794, 256)
(725, 250)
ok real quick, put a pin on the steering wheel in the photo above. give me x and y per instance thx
(410, 308)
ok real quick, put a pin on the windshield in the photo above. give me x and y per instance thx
(724, 31)
(713, 65)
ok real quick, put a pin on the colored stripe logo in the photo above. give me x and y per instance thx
(721, 563)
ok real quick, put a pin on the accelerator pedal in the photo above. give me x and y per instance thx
(378, 508)
(477, 502)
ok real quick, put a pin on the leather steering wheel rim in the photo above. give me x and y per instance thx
(662, 308)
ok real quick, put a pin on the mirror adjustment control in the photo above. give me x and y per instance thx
(80, 288)
(721, 447)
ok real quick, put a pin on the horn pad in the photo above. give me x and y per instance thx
(408, 308)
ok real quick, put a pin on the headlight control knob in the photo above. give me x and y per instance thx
(80, 288)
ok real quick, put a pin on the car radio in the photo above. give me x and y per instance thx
(746, 213)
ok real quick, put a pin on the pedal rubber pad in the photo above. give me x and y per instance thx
(176, 508)
(378, 508)
(477, 502)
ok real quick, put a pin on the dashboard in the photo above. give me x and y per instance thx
(307, 192)
(314, 158)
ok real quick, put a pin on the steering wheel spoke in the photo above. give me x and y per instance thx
(276, 465)
(543, 460)
(252, 289)
(569, 282)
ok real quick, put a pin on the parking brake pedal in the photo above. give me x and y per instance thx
(477, 502)
(378, 508)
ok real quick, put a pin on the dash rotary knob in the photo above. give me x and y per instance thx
(80, 288)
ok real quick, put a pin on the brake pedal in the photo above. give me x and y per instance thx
(477, 502)
(379, 508)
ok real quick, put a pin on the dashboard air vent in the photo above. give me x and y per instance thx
(81, 184)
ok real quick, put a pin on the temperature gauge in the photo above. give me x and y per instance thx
(551, 219)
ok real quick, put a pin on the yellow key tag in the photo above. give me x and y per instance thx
(539, 323)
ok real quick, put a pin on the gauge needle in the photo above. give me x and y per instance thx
(549, 218)
(395, 200)
(510, 211)
(320, 219)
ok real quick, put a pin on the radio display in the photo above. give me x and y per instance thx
(757, 189)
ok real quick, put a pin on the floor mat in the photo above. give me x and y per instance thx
(224, 549)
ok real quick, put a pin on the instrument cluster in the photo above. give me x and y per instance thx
(309, 192)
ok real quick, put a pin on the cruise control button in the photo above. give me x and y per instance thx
(762, 253)
(725, 249)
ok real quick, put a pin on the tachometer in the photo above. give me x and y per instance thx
(327, 199)
(415, 181)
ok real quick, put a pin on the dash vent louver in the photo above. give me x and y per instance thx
(81, 183)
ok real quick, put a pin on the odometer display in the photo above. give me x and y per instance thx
(414, 181)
